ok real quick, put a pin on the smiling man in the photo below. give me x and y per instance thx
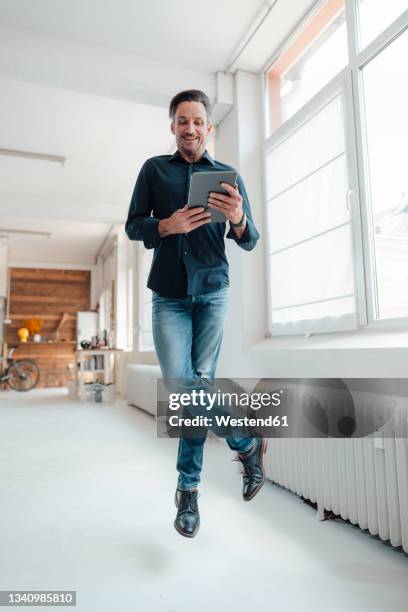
(189, 280)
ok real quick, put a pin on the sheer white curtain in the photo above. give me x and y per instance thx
(310, 241)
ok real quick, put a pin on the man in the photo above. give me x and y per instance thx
(189, 280)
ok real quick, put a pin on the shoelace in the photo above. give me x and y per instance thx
(250, 471)
(190, 505)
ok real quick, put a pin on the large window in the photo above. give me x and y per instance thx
(336, 182)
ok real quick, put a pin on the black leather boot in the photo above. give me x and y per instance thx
(187, 520)
(254, 473)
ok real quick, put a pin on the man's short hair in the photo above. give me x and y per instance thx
(189, 95)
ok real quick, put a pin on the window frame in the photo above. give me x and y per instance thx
(359, 58)
(341, 83)
(357, 159)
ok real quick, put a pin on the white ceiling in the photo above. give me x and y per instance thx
(158, 29)
(105, 141)
(90, 80)
(69, 242)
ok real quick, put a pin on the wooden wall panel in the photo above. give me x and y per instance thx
(46, 294)
(56, 361)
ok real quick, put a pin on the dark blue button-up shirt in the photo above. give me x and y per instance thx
(183, 264)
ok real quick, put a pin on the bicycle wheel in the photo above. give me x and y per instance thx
(23, 375)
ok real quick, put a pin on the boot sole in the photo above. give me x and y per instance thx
(262, 452)
(187, 535)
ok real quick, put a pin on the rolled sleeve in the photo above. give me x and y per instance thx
(140, 224)
(250, 236)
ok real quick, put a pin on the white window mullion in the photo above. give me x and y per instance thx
(352, 29)
(354, 200)
(367, 229)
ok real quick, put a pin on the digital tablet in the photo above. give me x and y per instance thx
(202, 183)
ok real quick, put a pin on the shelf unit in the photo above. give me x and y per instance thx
(86, 357)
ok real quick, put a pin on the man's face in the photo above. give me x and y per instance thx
(191, 129)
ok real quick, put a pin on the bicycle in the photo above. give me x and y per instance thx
(20, 374)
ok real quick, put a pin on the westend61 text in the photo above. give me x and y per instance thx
(228, 421)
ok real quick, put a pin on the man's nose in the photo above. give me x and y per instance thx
(190, 126)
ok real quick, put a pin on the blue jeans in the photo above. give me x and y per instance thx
(187, 336)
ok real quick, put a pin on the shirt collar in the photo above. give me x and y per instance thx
(205, 158)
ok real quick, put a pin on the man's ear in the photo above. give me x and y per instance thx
(172, 127)
(210, 128)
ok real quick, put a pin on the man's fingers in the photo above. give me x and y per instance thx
(223, 200)
(200, 217)
(218, 205)
(218, 196)
(231, 190)
(186, 209)
(194, 212)
(190, 212)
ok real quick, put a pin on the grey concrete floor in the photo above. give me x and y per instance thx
(87, 505)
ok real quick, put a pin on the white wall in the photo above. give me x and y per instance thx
(136, 355)
(237, 143)
(246, 351)
(3, 266)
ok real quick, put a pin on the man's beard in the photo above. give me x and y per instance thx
(196, 151)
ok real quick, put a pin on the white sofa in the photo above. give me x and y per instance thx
(141, 386)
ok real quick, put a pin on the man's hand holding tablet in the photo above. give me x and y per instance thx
(184, 220)
(206, 204)
(230, 205)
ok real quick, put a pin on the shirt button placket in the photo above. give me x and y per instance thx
(190, 172)
(185, 243)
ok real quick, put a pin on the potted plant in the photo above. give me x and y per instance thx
(34, 326)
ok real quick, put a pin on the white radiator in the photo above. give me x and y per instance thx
(364, 480)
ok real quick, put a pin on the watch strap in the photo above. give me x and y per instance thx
(241, 222)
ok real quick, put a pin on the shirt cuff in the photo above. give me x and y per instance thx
(151, 236)
(247, 236)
